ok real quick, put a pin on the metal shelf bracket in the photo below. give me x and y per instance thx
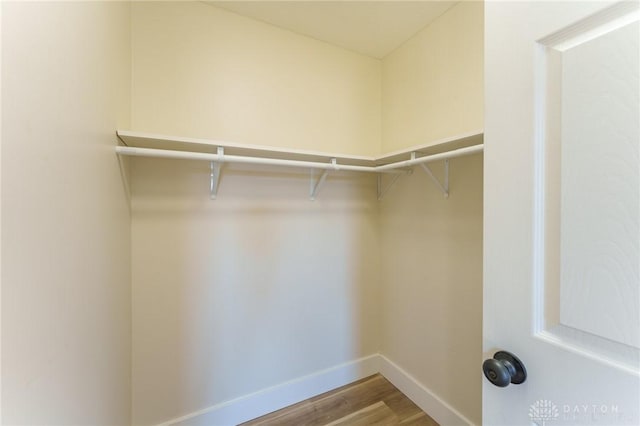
(314, 186)
(443, 187)
(274, 158)
(215, 173)
(382, 190)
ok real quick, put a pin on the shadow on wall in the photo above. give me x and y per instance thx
(256, 288)
(432, 275)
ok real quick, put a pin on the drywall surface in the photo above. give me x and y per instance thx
(201, 71)
(251, 290)
(432, 247)
(433, 84)
(263, 286)
(65, 219)
(432, 282)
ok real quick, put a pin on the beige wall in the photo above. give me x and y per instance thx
(1, 32)
(432, 247)
(196, 312)
(201, 71)
(262, 286)
(256, 288)
(65, 219)
(432, 282)
(433, 84)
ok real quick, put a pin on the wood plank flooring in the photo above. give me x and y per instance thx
(370, 401)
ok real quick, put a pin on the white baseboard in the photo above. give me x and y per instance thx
(258, 404)
(422, 396)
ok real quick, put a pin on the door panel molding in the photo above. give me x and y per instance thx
(555, 296)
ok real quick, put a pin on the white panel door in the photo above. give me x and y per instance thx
(562, 212)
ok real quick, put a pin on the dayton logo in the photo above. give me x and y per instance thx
(542, 411)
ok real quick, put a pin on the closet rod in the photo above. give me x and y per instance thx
(429, 158)
(185, 155)
(387, 168)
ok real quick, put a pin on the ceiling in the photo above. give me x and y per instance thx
(373, 28)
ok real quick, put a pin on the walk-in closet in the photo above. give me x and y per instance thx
(235, 206)
(328, 213)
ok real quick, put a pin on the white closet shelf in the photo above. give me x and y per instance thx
(170, 144)
(208, 146)
(219, 152)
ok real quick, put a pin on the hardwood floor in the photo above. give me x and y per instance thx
(370, 401)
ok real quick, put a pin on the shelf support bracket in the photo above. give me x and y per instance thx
(215, 173)
(443, 187)
(316, 185)
(382, 190)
